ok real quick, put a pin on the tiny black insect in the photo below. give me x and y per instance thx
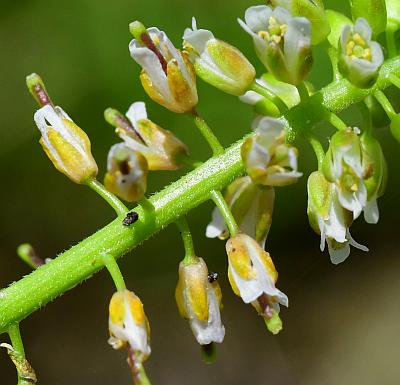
(130, 218)
(212, 277)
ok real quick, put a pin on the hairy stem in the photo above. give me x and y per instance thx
(83, 260)
(113, 268)
(225, 211)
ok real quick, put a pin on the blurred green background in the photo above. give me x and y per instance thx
(342, 326)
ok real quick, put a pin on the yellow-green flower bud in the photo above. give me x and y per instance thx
(168, 76)
(313, 10)
(67, 146)
(128, 324)
(199, 301)
(218, 63)
(374, 11)
(126, 173)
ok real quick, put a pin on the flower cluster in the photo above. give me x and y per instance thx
(351, 172)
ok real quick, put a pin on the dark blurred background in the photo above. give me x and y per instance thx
(342, 326)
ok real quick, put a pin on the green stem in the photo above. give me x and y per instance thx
(80, 262)
(337, 122)
(110, 198)
(366, 118)
(256, 87)
(183, 226)
(385, 103)
(333, 56)
(225, 211)
(318, 149)
(16, 339)
(394, 80)
(208, 135)
(303, 92)
(391, 43)
(112, 266)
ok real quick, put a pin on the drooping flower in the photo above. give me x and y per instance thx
(329, 219)
(168, 76)
(374, 173)
(268, 159)
(199, 301)
(342, 165)
(359, 57)
(126, 173)
(282, 42)
(253, 276)
(128, 324)
(66, 145)
(251, 205)
(161, 148)
(313, 10)
(217, 62)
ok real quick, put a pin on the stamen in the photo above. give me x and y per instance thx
(37, 89)
(264, 302)
(118, 120)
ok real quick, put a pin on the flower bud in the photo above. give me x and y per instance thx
(375, 175)
(67, 146)
(329, 219)
(253, 276)
(128, 324)
(343, 166)
(374, 11)
(359, 57)
(218, 63)
(161, 148)
(168, 76)
(252, 207)
(337, 22)
(282, 42)
(313, 10)
(269, 161)
(199, 301)
(126, 173)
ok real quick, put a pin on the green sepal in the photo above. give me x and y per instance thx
(393, 14)
(337, 22)
(395, 126)
(374, 11)
(313, 10)
(319, 193)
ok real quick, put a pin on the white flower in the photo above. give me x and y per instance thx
(168, 76)
(282, 42)
(67, 146)
(217, 62)
(251, 271)
(160, 147)
(360, 58)
(329, 219)
(268, 159)
(128, 324)
(199, 301)
(343, 166)
(251, 205)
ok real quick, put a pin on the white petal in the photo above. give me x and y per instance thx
(212, 330)
(250, 97)
(357, 245)
(371, 212)
(217, 225)
(198, 39)
(249, 290)
(137, 111)
(363, 28)
(257, 17)
(338, 255)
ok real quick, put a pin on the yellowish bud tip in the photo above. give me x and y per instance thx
(137, 29)
(112, 116)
